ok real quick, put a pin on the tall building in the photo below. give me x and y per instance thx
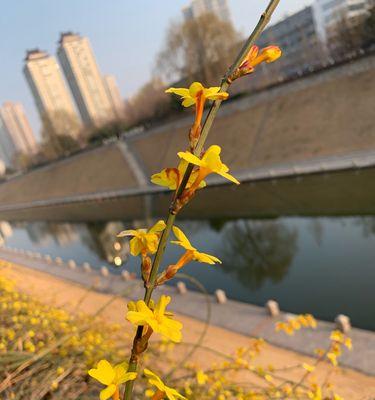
(50, 94)
(328, 13)
(199, 7)
(7, 148)
(18, 126)
(16, 135)
(114, 95)
(85, 80)
(297, 36)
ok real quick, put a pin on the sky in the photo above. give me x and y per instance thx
(125, 36)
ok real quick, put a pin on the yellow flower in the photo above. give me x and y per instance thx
(192, 253)
(172, 177)
(210, 163)
(197, 92)
(202, 378)
(308, 367)
(157, 318)
(348, 343)
(144, 241)
(154, 380)
(333, 358)
(111, 377)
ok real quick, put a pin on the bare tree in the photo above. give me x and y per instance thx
(369, 28)
(198, 49)
(150, 102)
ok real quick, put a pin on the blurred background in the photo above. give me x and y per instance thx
(84, 122)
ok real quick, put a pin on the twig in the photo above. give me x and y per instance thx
(225, 83)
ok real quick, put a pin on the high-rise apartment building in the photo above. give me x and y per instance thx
(84, 78)
(297, 36)
(15, 120)
(114, 95)
(7, 148)
(328, 13)
(199, 7)
(50, 94)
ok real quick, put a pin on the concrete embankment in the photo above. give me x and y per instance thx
(323, 115)
(238, 317)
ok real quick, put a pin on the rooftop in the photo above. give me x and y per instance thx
(35, 54)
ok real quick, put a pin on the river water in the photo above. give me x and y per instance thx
(318, 259)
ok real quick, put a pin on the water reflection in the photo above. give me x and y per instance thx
(367, 224)
(102, 239)
(321, 265)
(256, 251)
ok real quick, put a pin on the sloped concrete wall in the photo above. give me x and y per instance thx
(330, 113)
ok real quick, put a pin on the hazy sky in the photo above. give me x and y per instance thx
(124, 34)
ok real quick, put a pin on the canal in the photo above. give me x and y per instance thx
(308, 243)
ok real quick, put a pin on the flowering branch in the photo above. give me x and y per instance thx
(199, 137)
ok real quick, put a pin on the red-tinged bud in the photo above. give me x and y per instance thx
(255, 57)
(270, 54)
(146, 268)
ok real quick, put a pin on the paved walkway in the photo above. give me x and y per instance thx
(239, 317)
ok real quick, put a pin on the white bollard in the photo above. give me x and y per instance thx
(343, 323)
(48, 258)
(86, 266)
(104, 271)
(181, 287)
(221, 297)
(72, 264)
(125, 275)
(58, 260)
(273, 308)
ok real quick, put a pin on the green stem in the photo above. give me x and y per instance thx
(225, 83)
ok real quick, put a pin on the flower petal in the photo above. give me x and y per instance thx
(104, 373)
(206, 258)
(128, 376)
(229, 177)
(183, 92)
(158, 227)
(172, 394)
(154, 379)
(129, 232)
(182, 239)
(135, 246)
(108, 392)
(162, 305)
(189, 157)
(188, 101)
(218, 96)
(195, 88)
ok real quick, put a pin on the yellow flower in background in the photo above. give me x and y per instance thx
(339, 337)
(144, 241)
(172, 177)
(308, 367)
(333, 358)
(202, 378)
(157, 318)
(296, 323)
(198, 93)
(162, 388)
(111, 377)
(210, 163)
